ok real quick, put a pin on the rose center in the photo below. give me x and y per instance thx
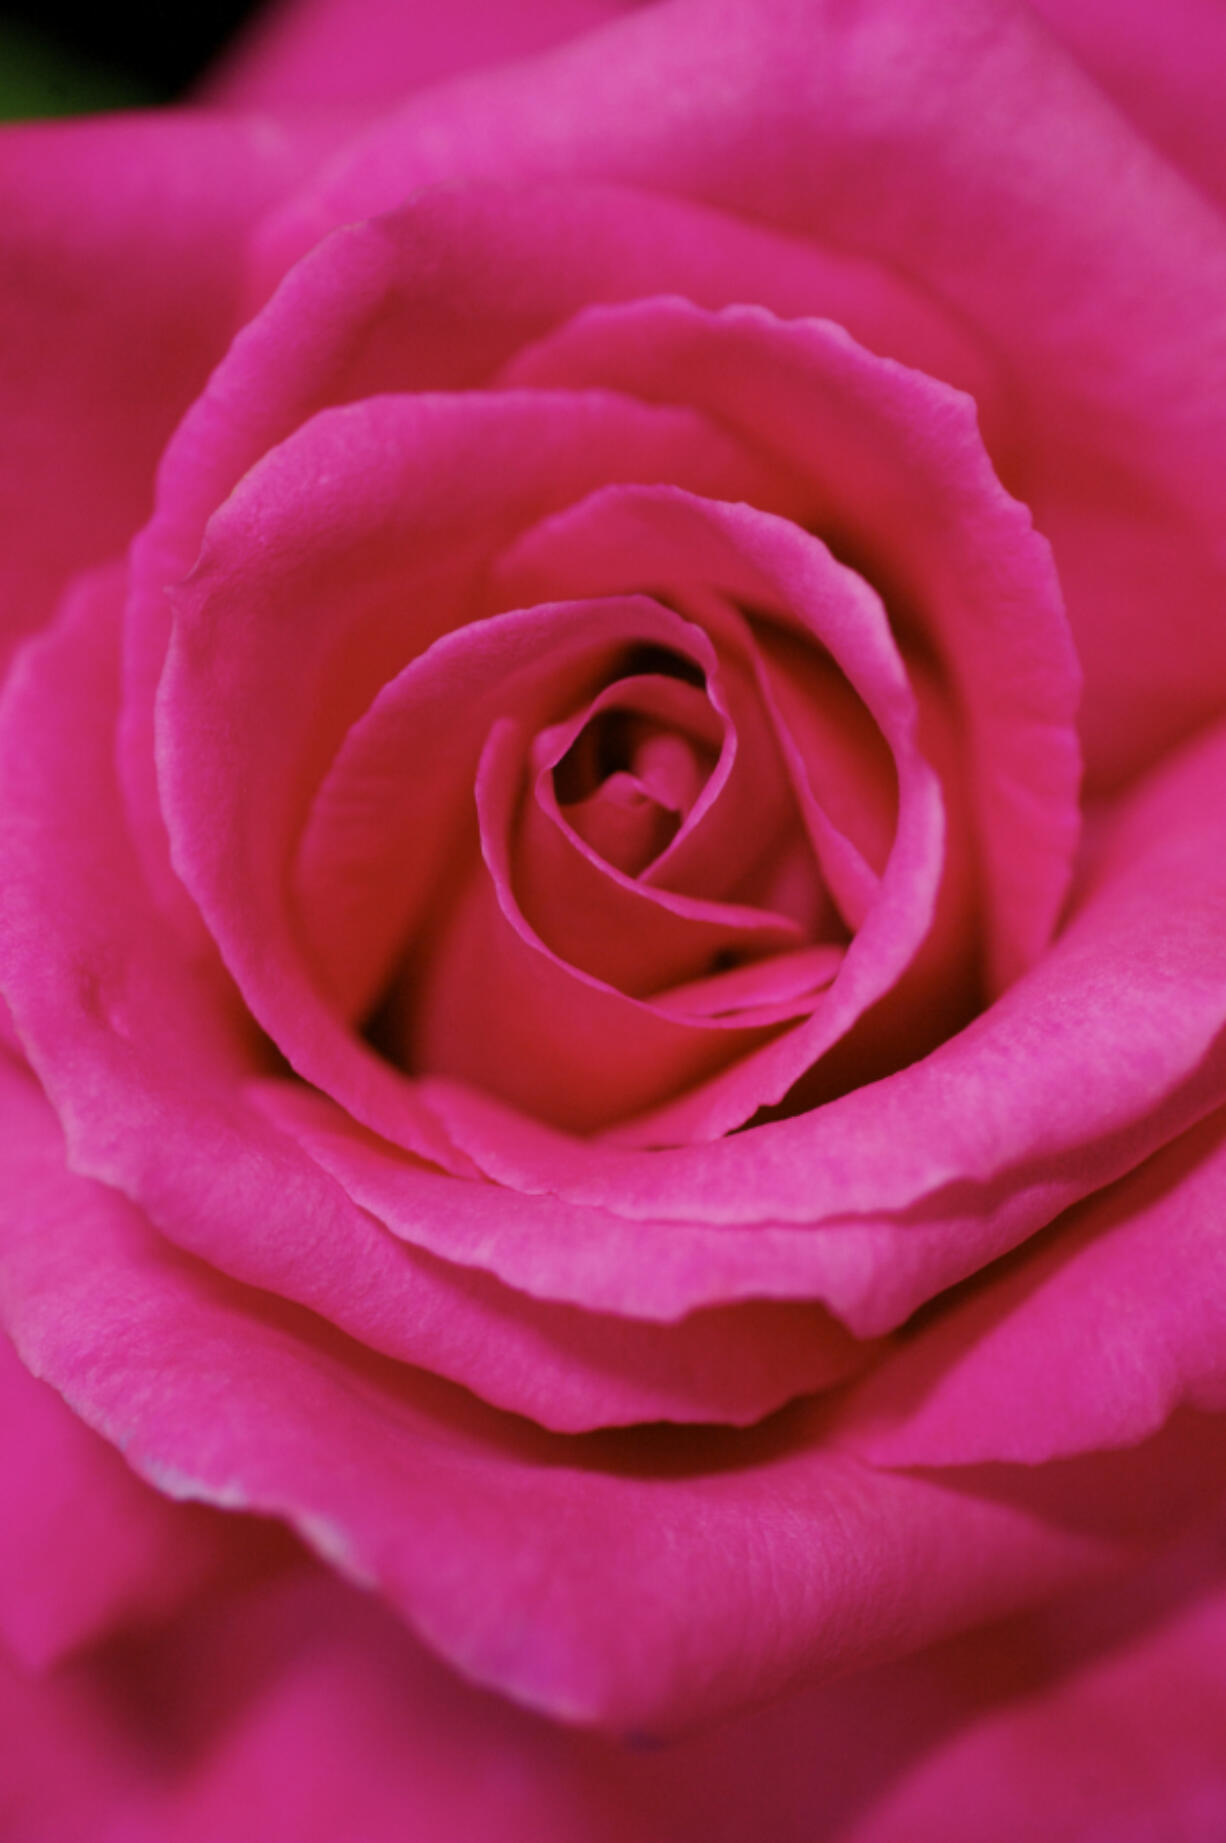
(627, 783)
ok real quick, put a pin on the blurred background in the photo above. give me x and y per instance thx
(59, 57)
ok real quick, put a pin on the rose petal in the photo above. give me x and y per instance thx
(551, 1248)
(901, 486)
(1112, 1735)
(840, 767)
(66, 1771)
(959, 143)
(492, 1005)
(380, 845)
(121, 247)
(665, 536)
(621, 930)
(279, 617)
(146, 1062)
(1131, 968)
(1116, 1319)
(85, 1547)
(1164, 70)
(437, 295)
(524, 1559)
(1100, 1718)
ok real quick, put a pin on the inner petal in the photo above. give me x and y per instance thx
(739, 558)
(489, 1003)
(625, 823)
(627, 773)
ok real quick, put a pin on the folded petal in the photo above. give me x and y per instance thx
(1108, 1048)
(147, 1056)
(437, 296)
(1113, 1321)
(1096, 1722)
(901, 488)
(525, 1559)
(356, 543)
(299, 1706)
(664, 535)
(960, 144)
(496, 1007)
(878, 1200)
(380, 844)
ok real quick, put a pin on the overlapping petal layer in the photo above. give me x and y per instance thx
(553, 701)
(147, 1055)
(762, 1555)
(899, 484)
(979, 163)
(438, 295)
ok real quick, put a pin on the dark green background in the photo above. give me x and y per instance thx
(60, 59)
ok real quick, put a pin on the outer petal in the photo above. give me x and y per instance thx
(1107, 1735)
(623, 1580)
(121, 262)
(1090, 1342)
(1163, 68)
(65, 1770)
(298, 1710)
(85, 1547)
(960, 143)
(380, 50)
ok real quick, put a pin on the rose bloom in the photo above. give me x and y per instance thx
(612, 903)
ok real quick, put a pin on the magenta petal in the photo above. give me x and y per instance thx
(381, 845)
(548, 1248)
(626, 933)
(273, 620)
(494, 1006)
(1100, 1721)
(1114, 1321)
(750, 992)
(121, 266)
(674, 735)
(961, 145)
(525, 1559)
(628, 536)
(901, 483)
(1108, 1048)
(840, 766)
(85, 1547)
(135, 1043)
(1163, 68)
(436, 296)
(300, 1707)
(515, 256)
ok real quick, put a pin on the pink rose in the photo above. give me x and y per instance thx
(576, 1036)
